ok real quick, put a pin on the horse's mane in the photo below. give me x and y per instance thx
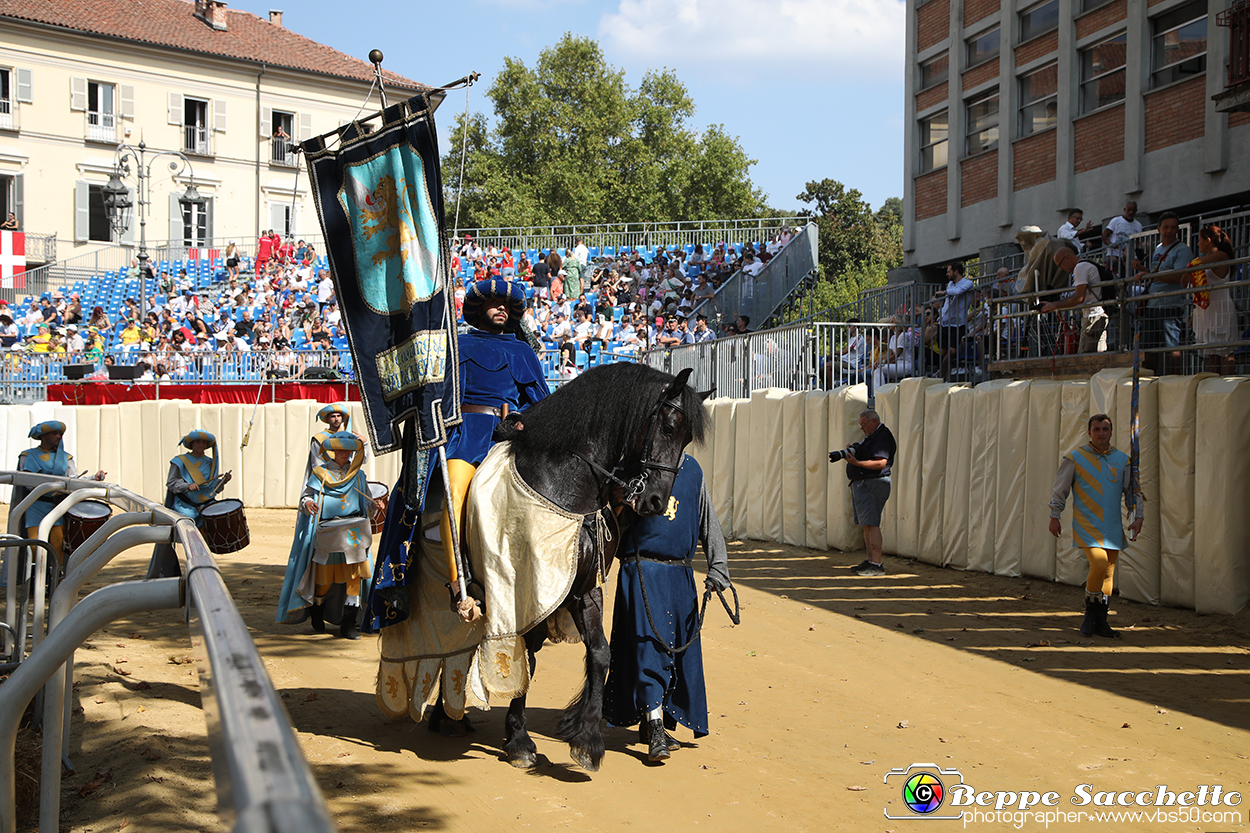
(611, 401)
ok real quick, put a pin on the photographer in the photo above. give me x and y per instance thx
(868, 468)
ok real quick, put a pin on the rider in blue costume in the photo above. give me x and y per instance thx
(191, 484)
(499, 374)
(49, 457)
(647, 684)
(324, 554)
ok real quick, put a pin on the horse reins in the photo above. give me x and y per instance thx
(636, 485)
(735, 615)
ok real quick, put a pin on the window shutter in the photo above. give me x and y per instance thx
(77, 93)
(127, 101)
(24, 87)
(128, 236)
(208, 223)
(82, 212)
(18, 199)
(266, 122)
(175, 108)
(305, 126)
(175, 222)
(277, 218)
(295, 220)
(219, 115)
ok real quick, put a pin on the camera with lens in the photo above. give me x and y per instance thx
(842, 453)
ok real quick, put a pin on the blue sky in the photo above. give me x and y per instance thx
(812, 88)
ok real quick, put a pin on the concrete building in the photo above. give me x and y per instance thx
(1019, 110)
(224, 87)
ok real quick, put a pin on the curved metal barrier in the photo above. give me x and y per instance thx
(263, 780)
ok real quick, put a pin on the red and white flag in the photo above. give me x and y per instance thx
(12, 260)
(203, 254)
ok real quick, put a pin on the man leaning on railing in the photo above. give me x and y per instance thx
(1085, 283)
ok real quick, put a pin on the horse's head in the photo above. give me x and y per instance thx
(660, 447)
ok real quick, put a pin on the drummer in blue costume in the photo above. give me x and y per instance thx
(657, 607)
(191, 484)
(49, 457)
(499, 374)
(333, 537)
(1099, 477)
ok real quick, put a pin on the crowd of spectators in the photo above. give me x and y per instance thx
(582, 302)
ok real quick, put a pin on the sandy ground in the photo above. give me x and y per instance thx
(831, 681)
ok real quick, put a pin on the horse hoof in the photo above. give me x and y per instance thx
(524, 760)
(582, 757)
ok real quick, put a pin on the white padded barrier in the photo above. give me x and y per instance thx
(816, 473)
(1013, 450)
(1037, 556)
(933, 468)
(983, 477)
(1070, 564)
(905, 486)
(1222, 481)
(1178, 417)
(743, 474)
(1137, 573)
(704, 453)
(721, 479)
(768, 419)
(956, 498)
(794, 469)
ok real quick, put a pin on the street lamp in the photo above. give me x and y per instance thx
(118, 205)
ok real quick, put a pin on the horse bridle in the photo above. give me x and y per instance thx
(637, 484)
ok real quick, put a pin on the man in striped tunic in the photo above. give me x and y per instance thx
(1099, 478)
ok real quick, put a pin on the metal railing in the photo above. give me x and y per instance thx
(1218, 332)
(25, 376)
(1237, 19)
(7, 109)
(635, 235)
(736, 365)
(263, 780)
(761, 296)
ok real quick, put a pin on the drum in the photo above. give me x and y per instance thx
(81, 521)
(379, 492)
(225, 526)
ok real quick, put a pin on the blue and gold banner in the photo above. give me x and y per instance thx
(379, 198)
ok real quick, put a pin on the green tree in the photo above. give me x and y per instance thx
(573, 143)
(857, 247)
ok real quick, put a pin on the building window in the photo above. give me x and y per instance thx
(195, 132)
(1102, 73)
(98, 219)
(1039, 104)
(6, 101)
(935, 71)
(982, 119)
(983, 48)
(934, 131)
(1179, 44)
(1039, 20)
(1090, 5)
(195, 230)
(101, 112)
(283, 131)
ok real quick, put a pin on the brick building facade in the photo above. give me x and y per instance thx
(1019, 110)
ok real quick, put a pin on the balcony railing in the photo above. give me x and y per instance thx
(101, 127)
(1237, 19)
(196, 139)
(7, 120)
(281, 153)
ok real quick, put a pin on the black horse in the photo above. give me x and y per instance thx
(611, 438)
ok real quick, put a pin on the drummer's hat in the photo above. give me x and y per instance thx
(341, 441)
(47, 427)
(198, 435)
(337, 408)
(477, 294)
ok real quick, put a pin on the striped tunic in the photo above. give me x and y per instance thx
(1098, 483)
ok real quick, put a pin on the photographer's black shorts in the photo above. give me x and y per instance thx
(868, 498)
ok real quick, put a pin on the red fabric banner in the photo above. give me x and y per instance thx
(104, 393)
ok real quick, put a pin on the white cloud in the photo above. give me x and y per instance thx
(862, 38)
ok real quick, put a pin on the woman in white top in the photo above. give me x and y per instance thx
(898, 361)
(1215, 315)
